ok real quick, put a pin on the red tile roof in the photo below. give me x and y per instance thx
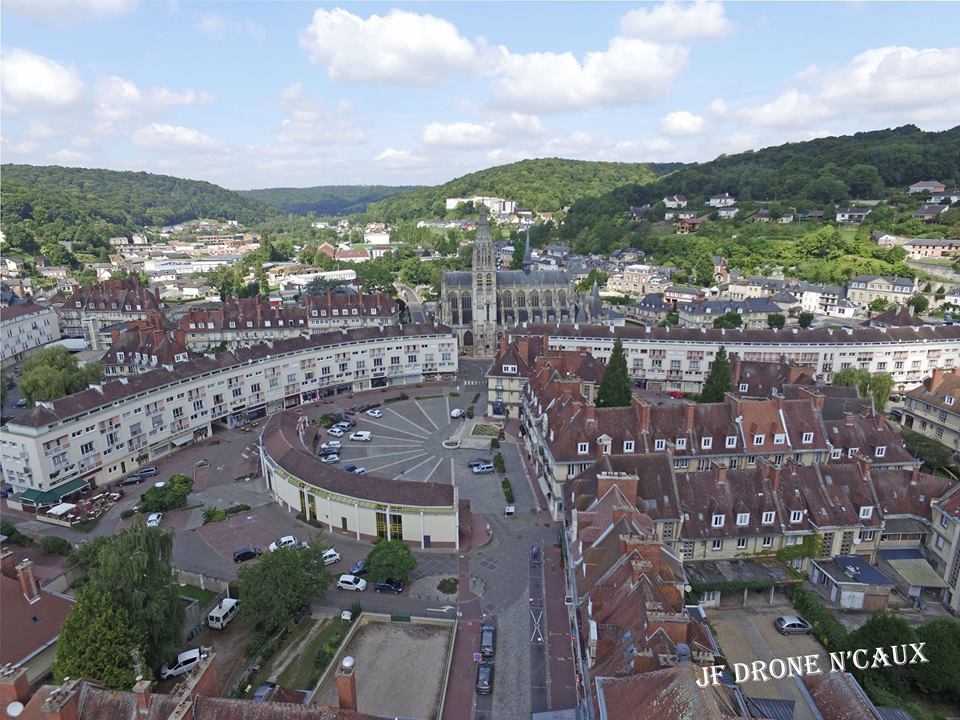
(27, 627)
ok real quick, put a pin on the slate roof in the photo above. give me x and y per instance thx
(102, 296)
(12, 312)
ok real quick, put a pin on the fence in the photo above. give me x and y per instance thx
(204, 582)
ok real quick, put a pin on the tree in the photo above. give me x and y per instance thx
(133, 572)
(98, 641)
(173, 494)
(729, 321)
(853, 377)
(919, 303)
(51, 373)
(519, 250)
(717, 383)
(616, 390)
(594, 275)
(260, 277)
(321, 286)
(878, 305)
(881, 385)
(281, 584)
(864, 181)
(934, 454)
(805, 319)
(776, 321)
(881, 631)
(940, 676)
(390, 559)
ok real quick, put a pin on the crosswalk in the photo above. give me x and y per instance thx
(474, 382)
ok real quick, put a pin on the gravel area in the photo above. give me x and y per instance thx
(400, 669)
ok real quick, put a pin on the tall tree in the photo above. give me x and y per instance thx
(616, 389)
(853, 377)
(805, 319)
(940, 676)
(728, 321)
(390, 559)
(776, 320)
(717, 383)
(53, 372)
(881, 385)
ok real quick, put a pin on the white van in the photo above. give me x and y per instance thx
(223, 613)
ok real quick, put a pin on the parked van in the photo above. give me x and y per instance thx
(483, 469)
(223, 613)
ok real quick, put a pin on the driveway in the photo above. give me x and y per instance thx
(748, 634)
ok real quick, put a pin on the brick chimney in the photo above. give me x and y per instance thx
(141, 689)
(14, 686)
(63, 703)
(848, 419)
(347, 684)
(114, 335)
(690, 411)
(735, 367)
(7, 564)
(591, 413)
(773, 474)
(28, 583)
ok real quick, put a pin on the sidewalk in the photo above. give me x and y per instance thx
(563, 681)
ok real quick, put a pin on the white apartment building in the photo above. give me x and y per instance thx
(24, 328)
(102, 433)
(680, 358)
(496, 205)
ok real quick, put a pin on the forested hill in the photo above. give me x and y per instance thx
(43, 205)
(542, 185)
(326, 199)
(830, 170)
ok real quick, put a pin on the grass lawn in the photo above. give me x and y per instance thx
(485, 430)
(203, 597)
(302, 673)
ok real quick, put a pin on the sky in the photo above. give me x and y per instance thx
(294, 94)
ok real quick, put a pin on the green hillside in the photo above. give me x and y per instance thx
(326, 199)
(43, 205)
(541, 185)
(828, 171)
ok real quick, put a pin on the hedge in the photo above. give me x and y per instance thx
(826, 627)
(53, 545)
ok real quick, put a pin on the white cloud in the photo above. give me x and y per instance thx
(808, 73)
(682, 122)
(161, 137)
(23, 147)
(318, 127)
(699, 20)
(399, 47)
(68, 157)
(59, 12)
(210, 24)
(31, 79)
(167, 97)
(629, 71)
(791, 109)
(41, 130)
(392, 159)
(215, 24)
(459, 134)
(117, 99)
(718, 107)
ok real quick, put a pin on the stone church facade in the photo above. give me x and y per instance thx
(478, 304)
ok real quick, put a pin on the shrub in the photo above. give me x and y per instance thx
(13, 535)
(448, 586)
(212, 514)
(53, 545)
(476, 397)
(326, 421)
(454, 393)
(507, 490)
(826, 627)
(498, 463)
(355, 610)
(127, 514)
(234, 509)
(172, 495)
(494, 444)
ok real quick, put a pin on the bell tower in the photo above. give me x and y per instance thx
(484, 289)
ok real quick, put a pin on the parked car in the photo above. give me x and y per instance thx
(330, 459)
(21, 403)
(484, 469)
(130, 480)
(287, 541)
(332, 445)
(154, 519)
(389, 585)
(478, 461)
(359, 471)
(246, 553)
(330, 556)
(346, 424)
(792, 625)
(185, 662)
(359, 567)
(350, 468)
(456, 412)
(362, 436)
(675, 394)
(374, 413)
(263, 692)
(485, 678)
(351, 582)
(147, 471)
(488, 639)
(336, 432)
(223, 614)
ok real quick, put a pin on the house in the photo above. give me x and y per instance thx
(852, 216)
(92, 307)
(727, 213)
(31, 619)
(946, 196)
(357, 255)
(753, 312)
(843, 309)
(896, 316)
(924, 248)
(721, 200)
(864, 289)
(929, 186)
(763, 216)
(675, 201)
(26, 327)
(679, 293)
(685, 226)
(639, 212)
(142, 345)
(851, 583)
(806, 215)
(785, 219)
(932, 408)
(931, 213)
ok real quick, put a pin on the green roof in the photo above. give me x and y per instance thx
(55, 495)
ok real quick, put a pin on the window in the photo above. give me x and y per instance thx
(867, 535)
(948, 399)
(743, 519)
(796, 516)
(939, 433)
(731, 441)
(659, 444)
(836, 453)
(880, 451)
(943, 416)
(767, 541)
(758, 439)
(681, 443)
(779, 439)
(718, 520)
(940, 542)
(86, 448)
(583, 448)
(767, 518)
(628, 446)
(807, 438)
(866, 512)
(509, 369)
(744, 387)
(718, 544)
(852, 451)
(706, 443)
(741, 543)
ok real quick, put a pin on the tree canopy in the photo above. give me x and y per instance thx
(52, 373)
(326, 199)
(390, 559)
(717, 383)
(616, 390)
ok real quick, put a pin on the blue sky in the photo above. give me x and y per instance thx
(264, 94)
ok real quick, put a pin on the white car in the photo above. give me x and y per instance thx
(154, 519)
(330, 556)
(361, 436)
(184, 663)
(335, 432)
(331, 459)
(332, 445)
(287, 541)
(359, 471)
(351, 582)
(374, 413)
(456, 412)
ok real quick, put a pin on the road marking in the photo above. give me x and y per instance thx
(381, 467)
(406, 419)
(446, 396)
(387, 455)
(403, 432)
(444, 609)
(430, 474)
(453, 474)
(429, 419)
(411, 469)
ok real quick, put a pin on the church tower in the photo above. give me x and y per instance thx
(484, 289)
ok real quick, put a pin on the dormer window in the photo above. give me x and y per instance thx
(681, 443)
(807, 438)
(336, 312)
(266, 323)
(209, 326)
(323, 313)
(948, 399)
(354, 311)
(779, 439)
(119, 357)
(852, 451)
(706, 443)
(193, 326)
(758, 439)
(744, 387)
(628, 446)
(880, 451)
(583, 448)
(796, 516)
(659, 444)
(743, 519)
(313, 313)
(767, 518)
(731, 441)
(249, 323)
(718, 521)
(509, 369)
(232, 324)
(836, 453)
(866, 512)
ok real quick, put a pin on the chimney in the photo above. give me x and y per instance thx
(848, 419)
(63, 703)
(592, 414)
(14, 686)
(721, 472)
(735, 367)
(28, 583)
(773, 473)
(141, 689)
(347, 684)
(7, 564)
(691, 410)
(114, 335)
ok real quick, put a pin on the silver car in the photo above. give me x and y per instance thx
(792, 625)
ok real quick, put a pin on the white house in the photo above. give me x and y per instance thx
(930, 186)
(854, 215)
(675, 201)
(376, 238)
(721, 200)
(728, 213)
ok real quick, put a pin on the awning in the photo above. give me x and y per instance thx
(56, 495)
(917, 572)
(182, 440)
(61, 509)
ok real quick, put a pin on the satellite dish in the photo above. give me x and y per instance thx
(14, 709)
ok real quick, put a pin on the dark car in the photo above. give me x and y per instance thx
(246, 553)
(359, 567)
(131, 480)
(389, 585)
(488, 639)
(485, 678)
(349, 468)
